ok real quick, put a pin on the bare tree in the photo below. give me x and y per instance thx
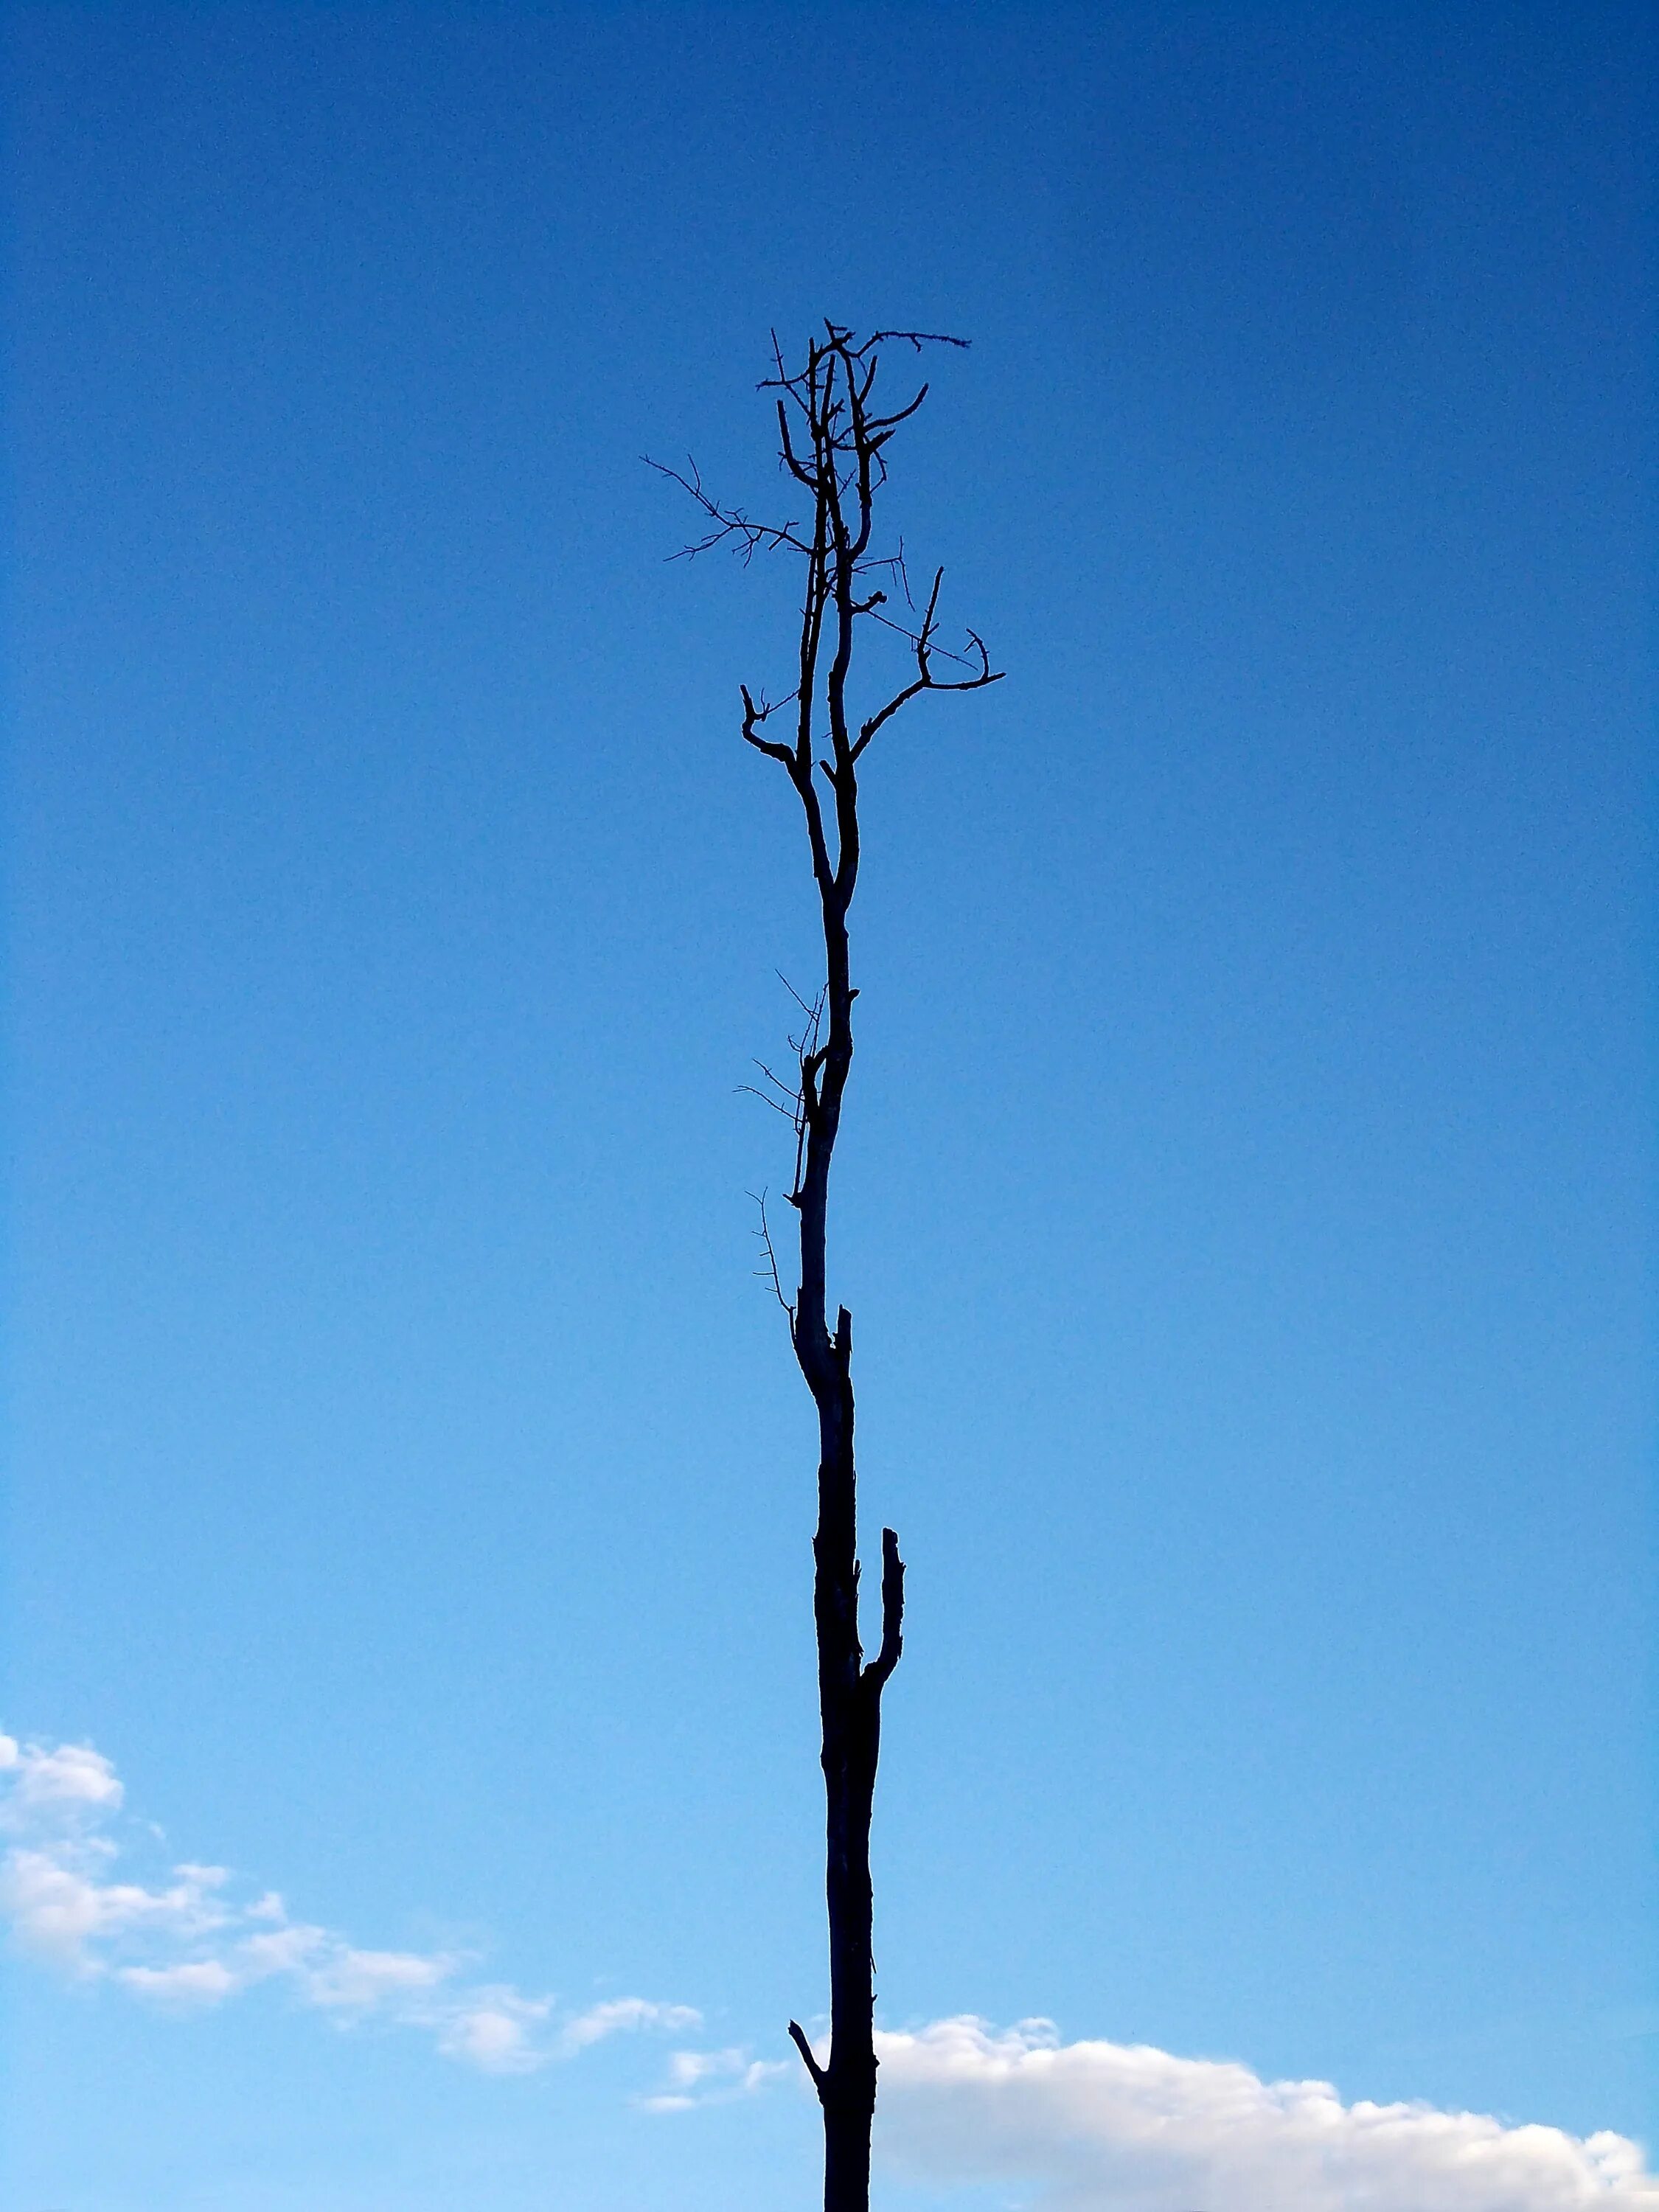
(833, 437)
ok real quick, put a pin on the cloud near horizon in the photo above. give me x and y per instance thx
(192, 1940)
(1108, 2127)
(1077, 2127)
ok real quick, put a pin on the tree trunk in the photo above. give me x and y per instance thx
(849, 1700)
(832, 443)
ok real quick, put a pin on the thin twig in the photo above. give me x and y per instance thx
(769, 1272)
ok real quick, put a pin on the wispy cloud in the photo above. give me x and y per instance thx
(195, 1937)
(618, 2013)
(1107, 2127)
(712, 2077)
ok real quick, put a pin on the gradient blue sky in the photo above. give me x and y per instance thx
(1244, 1198)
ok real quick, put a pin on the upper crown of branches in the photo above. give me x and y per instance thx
(832, 435)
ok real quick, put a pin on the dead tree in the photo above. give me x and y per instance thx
(832, 435)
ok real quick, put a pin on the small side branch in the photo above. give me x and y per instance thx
(769, 1273)
(798, 2037)
(754, 714)
(925, 680)
(892, 1612)
(732, 526)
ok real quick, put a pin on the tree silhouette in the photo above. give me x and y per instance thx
(833, 437)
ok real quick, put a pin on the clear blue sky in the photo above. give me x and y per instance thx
(1245, 1191)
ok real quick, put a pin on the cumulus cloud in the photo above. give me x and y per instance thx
(191, 1938)
(1107, 2127)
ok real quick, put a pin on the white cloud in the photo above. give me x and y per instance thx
(60, 1905)
(358, 1981)
(620, 2013)
(196, 1981)
(712, 2077)
(1107, 2127)
(286, 1948)
(190, 1940)
(1080, 2127)
(64, 1777)
(494, 2030)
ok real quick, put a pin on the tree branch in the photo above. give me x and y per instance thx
(925, 678)
(769, 1272)
(798, 2037)
(892, 1614)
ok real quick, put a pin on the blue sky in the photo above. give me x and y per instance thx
(1244, 1198)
